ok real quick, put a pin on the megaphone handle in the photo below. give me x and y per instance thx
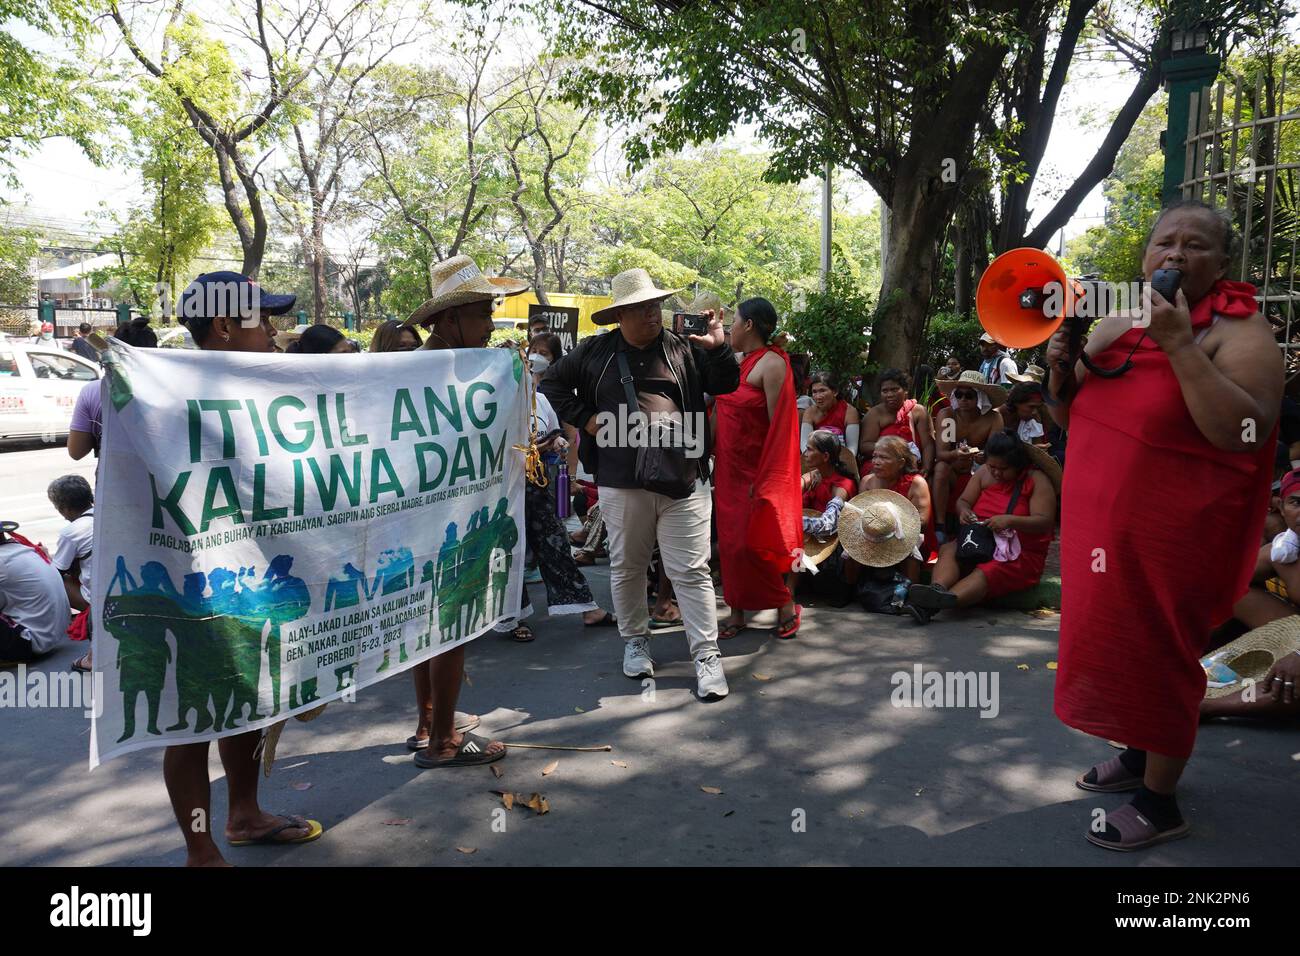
(1075, 327)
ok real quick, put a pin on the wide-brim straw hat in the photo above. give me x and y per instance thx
(1040, 459)
(879, 528)
(1033, 373)
(630, 288)
(1251, 655)
(973, 379)
(457, 281)
(815, 549)
(271, 736)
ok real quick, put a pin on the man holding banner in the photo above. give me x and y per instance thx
(278, 534)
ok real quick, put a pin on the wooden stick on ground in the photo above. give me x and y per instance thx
(604, 747)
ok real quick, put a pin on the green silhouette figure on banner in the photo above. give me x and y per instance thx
(506, 533)
(138, 618)
(282, 598)
(346, 591)
(475, 559)
(448, 589)
(239, 626)
(197, 661)
(428, 576)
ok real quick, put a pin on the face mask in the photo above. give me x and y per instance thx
(47, 336)
(538, 363)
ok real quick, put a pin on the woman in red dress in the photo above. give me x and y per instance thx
(986, 501)
(901, 415)
(829, 412)
(894, 468)
(756, 477)
(1194, 418)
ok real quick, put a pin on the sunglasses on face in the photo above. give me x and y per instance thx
(960, 393)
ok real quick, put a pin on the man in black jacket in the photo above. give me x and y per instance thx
(669, 375)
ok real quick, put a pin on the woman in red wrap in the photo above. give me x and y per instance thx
(1162, 509)
(756, 477)
(898, 414)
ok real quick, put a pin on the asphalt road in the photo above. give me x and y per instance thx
(814, 762)
(26, 470)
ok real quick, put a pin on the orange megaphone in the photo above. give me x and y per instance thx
(1023, 297)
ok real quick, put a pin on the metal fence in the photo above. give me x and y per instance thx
(1243, 155)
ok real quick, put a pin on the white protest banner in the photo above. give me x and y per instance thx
(273, 532)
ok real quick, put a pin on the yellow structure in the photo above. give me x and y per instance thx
(516, 307)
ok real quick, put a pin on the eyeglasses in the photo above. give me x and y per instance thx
(960, 393)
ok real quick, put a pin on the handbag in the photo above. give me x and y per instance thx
(664, 470)
(877, 593)
(978, 544)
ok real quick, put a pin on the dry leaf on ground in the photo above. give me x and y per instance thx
(1022, 667)
(550, 768)
(619, 763)
(762, 676)
(507, 799)
(301, 785)
(496, 771)
(537, 803)
(1051, 665)
(578, 710)
(467, 849)
(713, 790)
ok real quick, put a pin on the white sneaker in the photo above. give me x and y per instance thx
(710, 682)
(636, 658)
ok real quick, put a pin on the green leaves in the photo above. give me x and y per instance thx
(833, 327)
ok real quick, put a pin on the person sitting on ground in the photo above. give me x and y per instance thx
(960, 435)
(829, 412)
(34, 610)
(1023, 528)
(898, 414)
(830, 481)
(1274, 590)
(894, 468)
(800, 365)
(393, 336)
(1022, 412)
(73, 499)
(953, 365)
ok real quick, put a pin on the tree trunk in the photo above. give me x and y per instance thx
(539, 275)
(319, 295)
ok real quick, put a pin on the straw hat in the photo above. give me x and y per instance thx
(630, 288)
(456, 281)
(815, 549)
(879, 528)
(1045, 463)
(973, 379)
(1033, 373)
(271, 737)
(1250, 656)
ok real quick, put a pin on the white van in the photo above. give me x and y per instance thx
(39, 384)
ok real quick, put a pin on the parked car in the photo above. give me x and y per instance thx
(39, 385)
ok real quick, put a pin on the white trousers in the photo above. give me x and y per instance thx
(636, 519)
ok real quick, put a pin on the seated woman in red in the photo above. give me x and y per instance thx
(1023, 531)
(829, 484)
(829, 412)
(894, 468)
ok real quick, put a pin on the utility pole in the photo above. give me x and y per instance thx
(826, 226)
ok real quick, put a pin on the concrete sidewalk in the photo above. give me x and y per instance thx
(808, 734)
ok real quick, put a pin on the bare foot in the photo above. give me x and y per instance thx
(448, 748)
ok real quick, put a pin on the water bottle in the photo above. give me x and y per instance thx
(562, 501)
(900, 596)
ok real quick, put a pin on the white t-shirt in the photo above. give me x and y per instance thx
(32, 594)
(75, 542)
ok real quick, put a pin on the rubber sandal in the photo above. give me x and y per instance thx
(314, 830)
(788, 628)
(522, 634)
(473, 751)
(81, 666)
(609, 620)
(1136, 832)
(1111, 777)
(464, 724)
(728, 631)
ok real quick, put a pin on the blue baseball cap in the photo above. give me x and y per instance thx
(232, 295)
